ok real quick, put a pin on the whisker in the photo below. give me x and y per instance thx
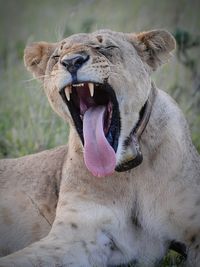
(114, 73)
(42, 76)
(35, 78)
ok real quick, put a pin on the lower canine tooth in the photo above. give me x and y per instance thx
(67, 93)
(91, 88)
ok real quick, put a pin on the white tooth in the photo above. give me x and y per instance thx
(79, 85)
(91, 87)
(67, 92)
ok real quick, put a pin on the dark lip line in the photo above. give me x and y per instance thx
(108, 89)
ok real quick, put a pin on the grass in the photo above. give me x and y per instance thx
(27, 123)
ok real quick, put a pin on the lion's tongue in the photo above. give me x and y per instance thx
(99, 156)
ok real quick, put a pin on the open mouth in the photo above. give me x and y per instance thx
(95, 112)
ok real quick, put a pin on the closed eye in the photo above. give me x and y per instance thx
(107, 50)
(103, 48)
(56, 57)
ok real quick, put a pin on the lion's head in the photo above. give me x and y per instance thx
(100, 82)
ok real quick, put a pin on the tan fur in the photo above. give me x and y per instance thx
(82, 220)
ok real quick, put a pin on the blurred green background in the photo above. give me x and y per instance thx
(27, 123)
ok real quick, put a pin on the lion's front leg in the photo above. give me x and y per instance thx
(77, 239)
(53, 251)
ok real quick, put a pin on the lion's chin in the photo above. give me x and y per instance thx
(95, 111)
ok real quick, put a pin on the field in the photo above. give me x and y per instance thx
(27, 123)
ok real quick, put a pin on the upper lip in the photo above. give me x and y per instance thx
(80, 96)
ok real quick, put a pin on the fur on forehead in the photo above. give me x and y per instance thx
(100, 36)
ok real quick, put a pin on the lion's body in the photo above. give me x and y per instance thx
(127, 216)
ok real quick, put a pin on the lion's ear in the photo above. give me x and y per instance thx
(154, 46)
(36, 56)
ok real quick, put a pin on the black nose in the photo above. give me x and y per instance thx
(73, 62)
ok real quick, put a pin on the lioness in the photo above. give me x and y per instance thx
(128, 182)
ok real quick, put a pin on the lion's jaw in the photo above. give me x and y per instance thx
(100, 82)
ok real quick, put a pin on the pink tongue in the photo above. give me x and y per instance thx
(99, 156)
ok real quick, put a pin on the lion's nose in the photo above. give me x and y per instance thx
(74, 62)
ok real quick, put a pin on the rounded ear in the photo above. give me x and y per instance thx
(36, 56)
(154, 46)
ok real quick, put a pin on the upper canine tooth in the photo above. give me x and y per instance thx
(91, 88)
(68, 91)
